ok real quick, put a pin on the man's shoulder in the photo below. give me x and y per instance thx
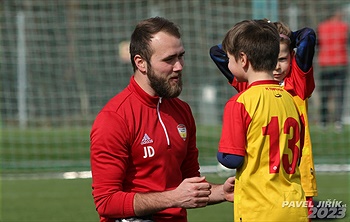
(117, 101)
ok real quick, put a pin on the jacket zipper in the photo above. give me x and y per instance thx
(161, 121)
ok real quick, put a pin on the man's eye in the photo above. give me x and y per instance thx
(169, 59)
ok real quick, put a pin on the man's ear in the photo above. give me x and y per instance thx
(140, 63)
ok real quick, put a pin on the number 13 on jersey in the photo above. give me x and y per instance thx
(292, 130)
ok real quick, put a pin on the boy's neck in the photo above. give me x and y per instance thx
(258, 76)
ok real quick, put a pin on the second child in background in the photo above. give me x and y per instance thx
(295, 73)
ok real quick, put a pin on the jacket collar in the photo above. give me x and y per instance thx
(142, 95)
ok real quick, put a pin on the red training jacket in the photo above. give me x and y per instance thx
(141, 143)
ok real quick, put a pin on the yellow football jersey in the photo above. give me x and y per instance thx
(264, 125)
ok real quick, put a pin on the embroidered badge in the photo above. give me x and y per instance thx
(181, 128)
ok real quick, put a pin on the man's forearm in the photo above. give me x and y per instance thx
(150, 203)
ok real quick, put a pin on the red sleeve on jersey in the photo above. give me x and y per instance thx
(234, 128)
(300, 83)
(239, 86)
(108, 166)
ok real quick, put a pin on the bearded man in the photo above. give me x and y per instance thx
(144, 157)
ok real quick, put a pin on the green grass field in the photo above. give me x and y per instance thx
(59, 200)
(65, 149)
(57, 150)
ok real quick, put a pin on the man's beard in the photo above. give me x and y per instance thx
(162, 86)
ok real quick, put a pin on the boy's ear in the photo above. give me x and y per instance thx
(141, 64)
(244, 59)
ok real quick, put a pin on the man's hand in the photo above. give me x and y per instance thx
(192, 193)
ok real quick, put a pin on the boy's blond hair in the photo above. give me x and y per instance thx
(285, 34)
